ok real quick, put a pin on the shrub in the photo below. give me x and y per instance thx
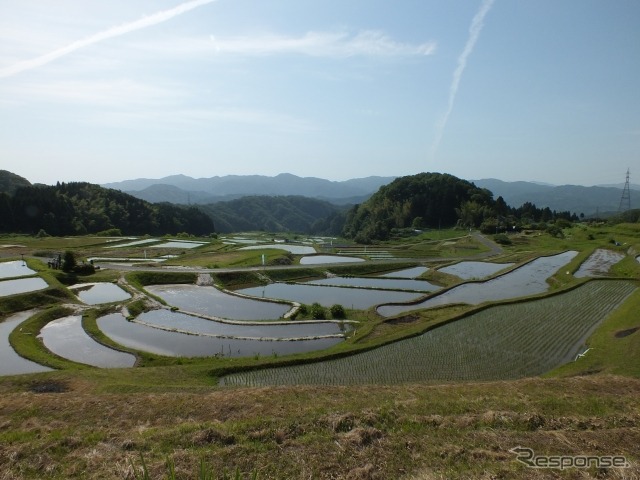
(337, 311)
(318, 311)
(111, 232)
(68, 261)
(84, 269)
(502, 239)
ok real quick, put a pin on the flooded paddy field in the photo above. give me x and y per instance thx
(66, 338)
(377, 283)
(21, 285)
(294, 249)
(412, 272)
(168, 320)
(354, 298)
(98, 293)
(16, 268)
(528, 279)
(186, 244)
(162, 342)
(211, 301)
(471, 270)
(10, 362)
(328, 259)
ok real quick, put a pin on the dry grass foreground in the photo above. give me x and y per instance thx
(63, 429)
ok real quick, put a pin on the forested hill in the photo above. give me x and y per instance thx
(276, 214)
(81, 208)
(10, 182)
(416, 201)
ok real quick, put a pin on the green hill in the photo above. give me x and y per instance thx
(422, 200)
(10, 182)
(273, 214)
(81, 208)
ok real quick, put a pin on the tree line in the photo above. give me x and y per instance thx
(79, 208)
(425, 200)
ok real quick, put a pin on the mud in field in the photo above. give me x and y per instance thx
(627, 332)
(598, 263)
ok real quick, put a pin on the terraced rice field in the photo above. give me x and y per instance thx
(499, 343)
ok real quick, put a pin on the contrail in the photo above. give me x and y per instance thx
(474, 32)
(148, 21)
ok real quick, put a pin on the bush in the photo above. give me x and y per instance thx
(68, 261)
(111, 232)
(84, 269)
(318, 311)
(337, 311)
(555, 231)
(502, 239)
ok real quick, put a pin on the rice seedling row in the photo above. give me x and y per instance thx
(499, 343)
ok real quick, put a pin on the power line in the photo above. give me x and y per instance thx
(625, 199)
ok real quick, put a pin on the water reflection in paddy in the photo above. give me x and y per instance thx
(412, 272)
(15, 268)
(21, 285)
(526, 280)
(10, 362)
(97, 293)
(161, 342)
(358, 298)
(178, 244)
(381, 283)
(322, 259)
(216, 303)
(190, 324)
(294, 249)
(66, 337)
(469, 270)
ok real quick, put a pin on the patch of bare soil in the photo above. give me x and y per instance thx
(403, 319)
(50, 386)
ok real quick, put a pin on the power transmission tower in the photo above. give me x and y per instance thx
(625, 199)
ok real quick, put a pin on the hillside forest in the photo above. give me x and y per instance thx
(407, 204)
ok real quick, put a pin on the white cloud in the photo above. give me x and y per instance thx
(315, 44)
(474, 32)
(144, 22)
(323, 44)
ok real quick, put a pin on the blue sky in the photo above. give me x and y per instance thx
(541, 90)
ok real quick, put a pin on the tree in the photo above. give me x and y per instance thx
(317, 311)
(68, 261)
(337, 311)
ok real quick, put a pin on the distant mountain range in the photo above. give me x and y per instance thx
(601, 200)
(181, 189)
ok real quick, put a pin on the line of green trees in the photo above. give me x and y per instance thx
(415, 202)
(79, 208)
